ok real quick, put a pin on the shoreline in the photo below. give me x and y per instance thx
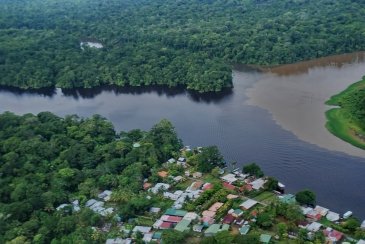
(338, 122)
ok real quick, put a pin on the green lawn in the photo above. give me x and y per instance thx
(265, 197)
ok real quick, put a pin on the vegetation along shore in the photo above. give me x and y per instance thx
(347, 121)
(90, 43)
(75, 180)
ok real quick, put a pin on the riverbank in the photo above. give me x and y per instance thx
(342, 122)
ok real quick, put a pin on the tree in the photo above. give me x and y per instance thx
(223, 237)
(271, 184)
(265, 220)
(251, 238)
(282, 229)
(209, 158)
(306, 197)
(173, 237)
(253, 169)
(352, 224)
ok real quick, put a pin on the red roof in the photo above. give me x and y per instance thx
(165, 225)
(333, 234)
(146, 185)
(316, 217)
(246, 187)
(173, 219)
(207, 186)
(228, 219)
(228, 186)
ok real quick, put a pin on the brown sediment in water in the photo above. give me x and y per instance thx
(304, 66)
(295, 95)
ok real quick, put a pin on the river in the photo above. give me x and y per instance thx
(239, 121)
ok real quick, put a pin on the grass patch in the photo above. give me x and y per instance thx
(264, 196)
(344, 122)
(145, 221)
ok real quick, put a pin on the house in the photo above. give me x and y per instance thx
(159, 187)
(264, 238)
(229, 186)
(237, 212)
(332, 235)
(248, 204)
(244, 229)
(178, 178)
(157, 224)
(105, 195)
(207, 186)
(157, 236)
(197, 175)
(314, 227)
(240, 222)
(118, 241)
(207, 221)
(216, 206)
(363, 225)
(146, 186)
(175, 212)
(163, 174)
(229, 178)
(142, 229)
(361, 242)
(165, 225)
(321, 210)
(187, 173)
(314, 215)
(147, 237)
(183, 225)
(181, 159)
(231, 196)
(287, 198)
(347, 214)
(195, 186)
(306, 210)
(332, 216)
(90, 202)
(208, 213)
(215, 228)
(246, 187)
(171, 161)
(171, 219)
(191, 216)
(228, 219)
(155, 210)
(198, 228)
(258, 184)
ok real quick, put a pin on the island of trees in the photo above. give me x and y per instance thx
(348, 121)
(76, 180)
(166, 42)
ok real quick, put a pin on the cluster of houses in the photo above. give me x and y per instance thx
(249, 182)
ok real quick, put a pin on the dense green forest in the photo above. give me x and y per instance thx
(348, 121)
(47, 161)
(166, 42)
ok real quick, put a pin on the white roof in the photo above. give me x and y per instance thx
(157, 223)
(147, 237)
(360, 242)
(171, 160)
(90, 202)
(178, 178)
(258, 184)
(142, 229)
(118, 241)
(306, 210)
(155, 210)
(315, 226)
(62, 206)
(347, 214)
(321, 210)
(159, 186)
(248, 204)
(229, 178)
(190, 216)
(332, 216)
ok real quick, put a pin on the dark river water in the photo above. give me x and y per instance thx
(244, 131)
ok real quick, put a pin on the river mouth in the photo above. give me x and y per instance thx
(244, 133)
(295, 96)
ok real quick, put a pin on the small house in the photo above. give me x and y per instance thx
(229, 178)
(175, 212)
(216, 206)
(332, 235)
(332, 216)
(142, 229)
(244, 229)
(163, 174)
(258, 184)
(248, 204)
(229, 186)
(314, 226)
(265, 238)
(198, 228)
(347, 215)
(183, 225)
(321, 210)
(228, 219)
(197, 175)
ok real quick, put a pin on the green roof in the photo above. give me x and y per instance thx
(183, 225)
(214, 228)
(157, 235)
(288, 198)
(225, 227)
(175, 212)
(244, 229)
(237, 211)
(264, 238)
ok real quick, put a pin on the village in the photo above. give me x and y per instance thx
(204, 205)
